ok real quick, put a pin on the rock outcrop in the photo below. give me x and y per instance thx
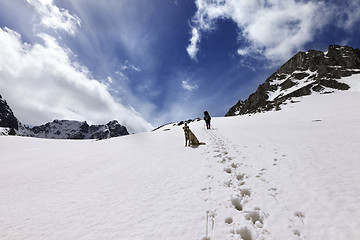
(303, 74)
(7, 117)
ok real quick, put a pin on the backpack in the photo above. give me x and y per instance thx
(207, 118)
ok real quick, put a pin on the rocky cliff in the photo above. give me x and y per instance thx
(303, 74)
(7, 118)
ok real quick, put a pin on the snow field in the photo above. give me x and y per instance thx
(300, 166)
(290, 174)
(124, 188)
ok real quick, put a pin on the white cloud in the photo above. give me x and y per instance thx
(274, 29)
(187, 86)
(127, 66)
(55, 18)
(192, 48)
(41, 83)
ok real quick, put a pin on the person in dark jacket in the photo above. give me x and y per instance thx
(207, 119)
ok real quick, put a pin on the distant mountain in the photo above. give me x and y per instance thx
(65, 129)
(58, 129)
(304, 74)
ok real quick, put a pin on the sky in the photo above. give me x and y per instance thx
(150, 62)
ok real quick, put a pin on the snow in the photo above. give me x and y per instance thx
(289, 174)
(4, 131)
(353, 81)
(280, 93)
(299, 84)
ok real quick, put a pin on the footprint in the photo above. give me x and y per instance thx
(245, 192)
(229, 220)
(255, 217)
(236, 202)
(234, 165)
(300, 215)
(241, 183)
(240, 177)
(245, 233)
(296, 232)
(228, 183)
(225, 159)
(274, 192)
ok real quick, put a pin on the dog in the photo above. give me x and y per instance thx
(190, 138)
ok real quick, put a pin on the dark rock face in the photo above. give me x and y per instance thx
(7, 118)
(304, 73)
(116, 129)
(109, 130)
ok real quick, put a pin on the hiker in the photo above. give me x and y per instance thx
(207, 119)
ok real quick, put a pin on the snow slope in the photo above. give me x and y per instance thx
(4, 131)
(291, 174)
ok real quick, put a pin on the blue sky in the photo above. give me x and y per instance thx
(150, 62)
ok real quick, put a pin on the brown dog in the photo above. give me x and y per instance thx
(190, 138)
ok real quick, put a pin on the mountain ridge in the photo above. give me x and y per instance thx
(303, 74)
(70, 129)
(58, 129)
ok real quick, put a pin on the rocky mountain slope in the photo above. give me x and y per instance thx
(58, 129)
(304, 74)
(65, 129)
(7, 117)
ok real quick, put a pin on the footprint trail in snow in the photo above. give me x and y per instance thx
(236, 190)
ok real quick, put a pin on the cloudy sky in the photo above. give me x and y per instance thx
(150, 62)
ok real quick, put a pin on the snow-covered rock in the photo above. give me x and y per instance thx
(65, 129)
(58, 129)
(304, 74)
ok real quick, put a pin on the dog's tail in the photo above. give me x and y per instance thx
(202, 143)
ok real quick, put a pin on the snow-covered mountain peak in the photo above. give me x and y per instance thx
(304, 74)
(66, 129)
(58, 129)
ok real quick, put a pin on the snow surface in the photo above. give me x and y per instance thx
(4, 131)
(353, 81)
(289, 174)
